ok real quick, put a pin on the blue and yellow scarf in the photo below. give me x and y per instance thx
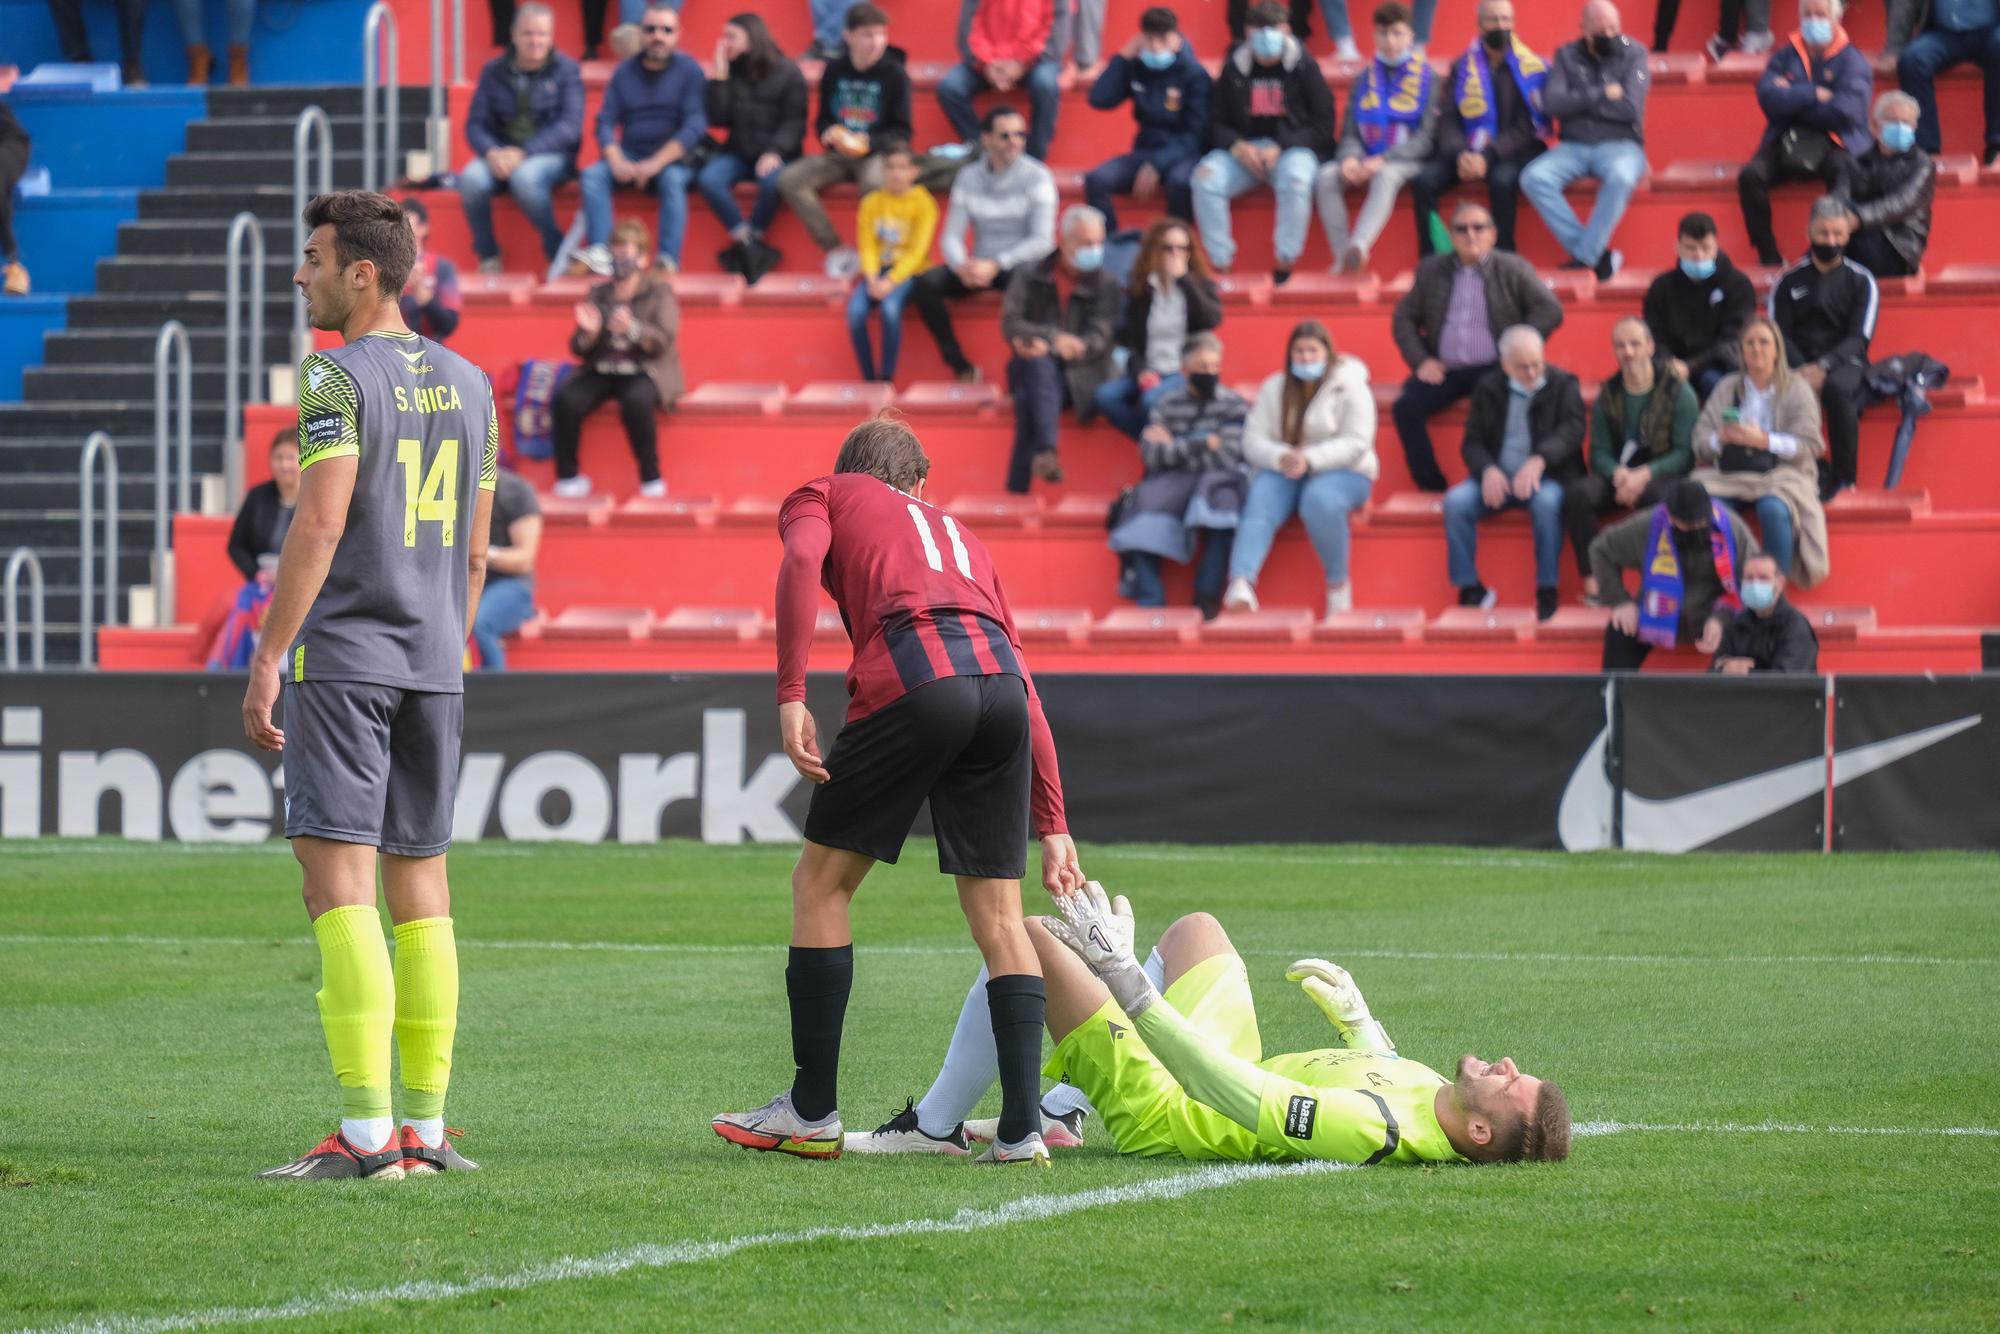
(1663, 588)
(1474, 93)
(1389, 103)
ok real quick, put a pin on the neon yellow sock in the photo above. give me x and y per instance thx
(357, 1004)
(426, 1012)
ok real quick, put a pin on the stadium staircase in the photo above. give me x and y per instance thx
(686, 583)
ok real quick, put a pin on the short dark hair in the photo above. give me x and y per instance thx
(1696, 227)
(1390, 14)
(414, 207)
(287, 435)
(1545, 1138)
(1159, 21)
(367, 225)
(884, 447)
(895, 147)
(865, 15)
(993, 116)
(1266, 14)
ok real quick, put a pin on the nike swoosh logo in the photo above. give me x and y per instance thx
(1682, 824)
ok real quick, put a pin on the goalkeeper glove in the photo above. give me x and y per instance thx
(1100, 932)
(1333, 990)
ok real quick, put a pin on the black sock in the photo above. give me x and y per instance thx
(817, 981)
(1019, 1004)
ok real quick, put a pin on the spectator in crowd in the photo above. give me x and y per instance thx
(1008, 200)
(1814, 95)
(1339, 27)
(1391, 127)
(1491, 127)
(430, 298)
(1271, 123)
(1754, 445)
(1170, 297)
(1081, 36)
(525, 125)
(74, 39)
(1697, 309)
(1596, 91)
(1742, 25)
(1641, 438)
(654, 113)
(1931, 37)
(1169, 92)
(864, 103)
(1889, 192)
(1310, 442)
(1005, 45)
(1689, 551)
(1523, 445)
(1769, 634)
(509, 596)
(1448, 325)
(759, 97)
(258, 534)
(829, 32)
(624, 342)
(1192, 490)
(1059, 319)
(13, 165)
(1825, 307)
(895, 229)
(241, 16)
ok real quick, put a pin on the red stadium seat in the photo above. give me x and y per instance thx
(996, 510)
(796, 289)
(1147, 625)
(672, 512)
(1273, 625)
(709, 623)
(599, 623)
(559, 511)
(1328, 289)
(1371, 625)
(1574, 624)
(851, 399)
(1472, 625)
(1840, 623)
(943, 397)
(729, 398)
(1052, 625)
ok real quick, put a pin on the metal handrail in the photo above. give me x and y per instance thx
(10, 587)
(458, 41)
(311, 118)
(376, 72)
(98, 446)
(173, 336)
(235, 393)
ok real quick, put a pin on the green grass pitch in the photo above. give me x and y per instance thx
(158, 1043)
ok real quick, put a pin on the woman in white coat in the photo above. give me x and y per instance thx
(1310, 441)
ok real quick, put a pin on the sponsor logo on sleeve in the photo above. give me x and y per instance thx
(1299, 1116)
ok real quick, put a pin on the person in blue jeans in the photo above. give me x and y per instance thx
(1523, 446)
(1953, 33)
(1311, 443)
(533, 88)
(759, 98)
(509, 596)
(829, 20)
(893, 237)
(1004, 45)
(1168, 89)
(1169, 298)
(1596, 91)
(654, 114)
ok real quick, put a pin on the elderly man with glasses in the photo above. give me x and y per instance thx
(654, 114)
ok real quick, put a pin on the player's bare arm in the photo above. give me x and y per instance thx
(320, 518)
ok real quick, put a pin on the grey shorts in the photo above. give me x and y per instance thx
(371, 764)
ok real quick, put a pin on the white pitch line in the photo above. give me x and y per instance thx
(1590, 1128)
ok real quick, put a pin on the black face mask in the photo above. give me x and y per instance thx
(1498, 40)
(1602, 45)
(1204, 383)
(1827, 254)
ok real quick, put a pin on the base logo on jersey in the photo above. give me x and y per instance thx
(1299, 1116)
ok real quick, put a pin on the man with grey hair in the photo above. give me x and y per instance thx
(1890, 191)
(1059, 319)
(1825, 306)
(525, 125)
(1523, 444)
(1596, 91)
(1814, 95)
(1928, 38)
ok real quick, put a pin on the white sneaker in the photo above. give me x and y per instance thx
(843, 263)
(596, 258)
(1755, 43)
(901, 1134)
(1028, 1150)
(1058, 1132)
(776, 1127)
(1241, 595)
(654, 490)
(1339, 600)
(1345, 49)
(573, 488)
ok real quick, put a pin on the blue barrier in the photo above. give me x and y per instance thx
(99, 140)
(295, 41)
(63, 234)
(23, 321)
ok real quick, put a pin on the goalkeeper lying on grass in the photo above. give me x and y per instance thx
(1169, 1055)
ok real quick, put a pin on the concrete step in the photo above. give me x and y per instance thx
(202, 170)
(275, 134)
(183, 273)
(107, 347)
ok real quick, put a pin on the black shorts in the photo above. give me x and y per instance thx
(371, 764)
(961, 741)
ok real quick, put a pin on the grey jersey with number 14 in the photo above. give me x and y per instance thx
(420, 419)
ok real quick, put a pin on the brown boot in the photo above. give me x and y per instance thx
(239, 65)
(201, 64)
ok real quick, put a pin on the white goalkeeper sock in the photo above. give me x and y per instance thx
(430, 1129)
(370, 1134)
(1156, 970)
(971, 1066)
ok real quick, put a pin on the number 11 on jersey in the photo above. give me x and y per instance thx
(435, 497)
(960, 556)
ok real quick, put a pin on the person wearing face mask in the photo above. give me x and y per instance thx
(1310, 441)
(1597, 93)
(1814, 95)
(625, 341)
(1169, 91)
(1697, 309)
(1391, 125)
(1339, 27)
(1169, 298)
(1929, 37)
(1890, 192)
(1059, 318)
(1825, 305)
(1689, 551)
(1523, 445)
(1769, 634)
(1490, 125)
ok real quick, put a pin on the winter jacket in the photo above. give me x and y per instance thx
(260, 527)
(1416, 148)
(1628, 545)
(1514, 128)
(1574, 93)
(1170, 105)
(1187, 485)
(645, 108)
(555, 104)
(766, 115)
(1892, 195)
(1795, 480)
(1034, 308)
(1339, 429)
(656, 317)
(1825, 317)
(1012, 213)
(1908, 19)
(1191, 421)
(1514, 295)
(1204, 312)
(1287, 103)
(1789, 92)
(1782, 641)
(1699, 322)
(1025, 30)
(1555, 425)
(1663, 431)
(874, 101)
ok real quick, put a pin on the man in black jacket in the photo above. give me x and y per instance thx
(1769, 634)
(1698, 308)
(1825, 306)
(1487, 137)
(1169, 91)
(1890, 190)
(1058, 319)
(1523, 442)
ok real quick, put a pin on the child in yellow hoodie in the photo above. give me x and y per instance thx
(896, 224)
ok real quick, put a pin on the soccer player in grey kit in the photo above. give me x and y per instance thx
(379, 578)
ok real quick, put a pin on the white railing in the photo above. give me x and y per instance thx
(10, 588)
(173, 339)
(241, 379)
(380, 70)
(311, 119)
(97, 448)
